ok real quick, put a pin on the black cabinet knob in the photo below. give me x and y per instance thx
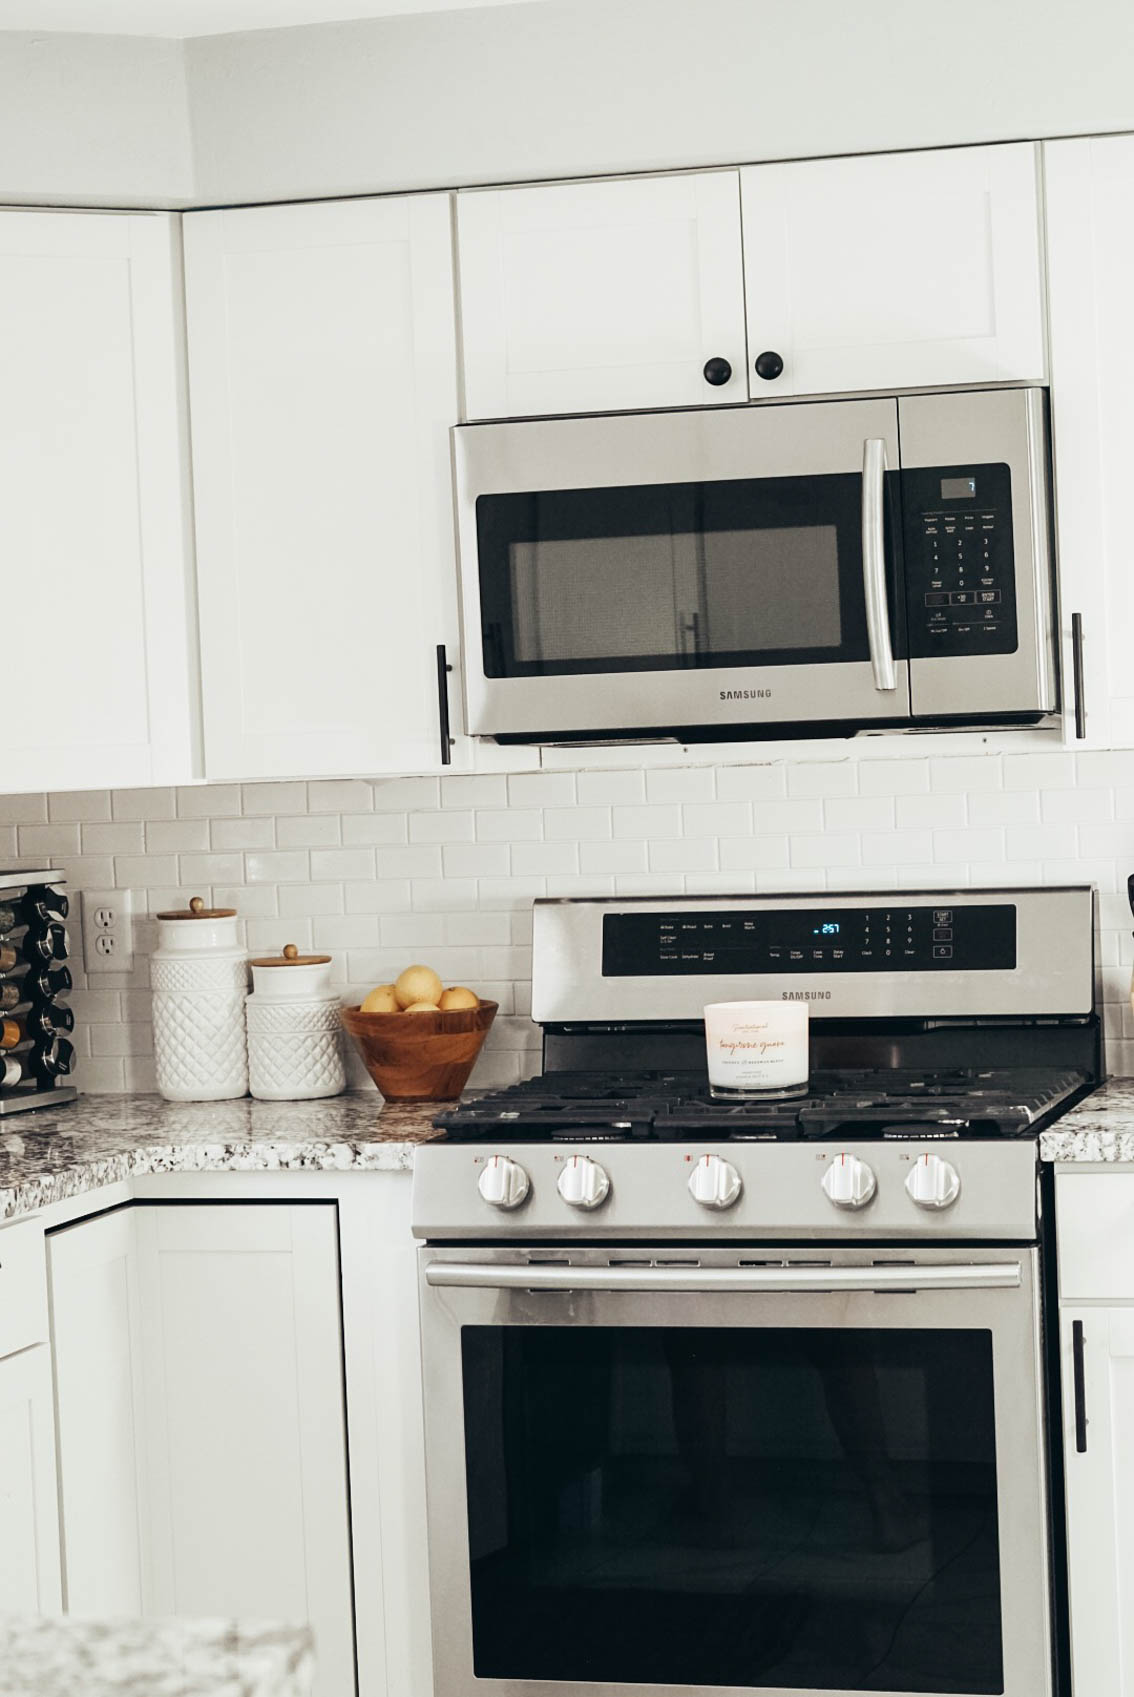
(768, 365)
(717, 371)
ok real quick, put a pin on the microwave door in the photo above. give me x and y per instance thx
(681, 572)
(976, 552)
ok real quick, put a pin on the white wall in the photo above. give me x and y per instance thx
(573, 87)
(93, 120)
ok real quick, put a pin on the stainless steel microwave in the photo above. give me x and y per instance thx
(751, 571)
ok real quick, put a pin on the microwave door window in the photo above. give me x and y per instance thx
(657, 577)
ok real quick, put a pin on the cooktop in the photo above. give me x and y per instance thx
(866, 1103)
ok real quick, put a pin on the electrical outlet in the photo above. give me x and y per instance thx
(108, 944)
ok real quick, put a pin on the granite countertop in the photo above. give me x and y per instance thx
(49, 1656)
(1101, 1128)
(51, 1154)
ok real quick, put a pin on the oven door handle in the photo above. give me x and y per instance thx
(874, 562)
(483, 1275)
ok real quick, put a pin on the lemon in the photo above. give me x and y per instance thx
(458, 997)
(422, 1007)
(380, 1000)
(417, 984)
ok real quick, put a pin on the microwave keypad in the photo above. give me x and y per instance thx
(959, 562)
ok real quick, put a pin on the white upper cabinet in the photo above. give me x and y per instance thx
(602, 296)
(894, 271)
(94, 527)
(323, 379)
(1090, 236)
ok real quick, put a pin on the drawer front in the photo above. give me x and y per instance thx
(1094, 1222)
(23, 1287)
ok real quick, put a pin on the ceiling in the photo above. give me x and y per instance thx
(181, 18)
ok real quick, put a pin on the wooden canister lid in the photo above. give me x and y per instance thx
(292, 957)
(198, 910)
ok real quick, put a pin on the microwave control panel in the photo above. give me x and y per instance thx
(803, 940)
(960, 570)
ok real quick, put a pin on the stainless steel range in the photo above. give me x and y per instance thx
(749, 1397)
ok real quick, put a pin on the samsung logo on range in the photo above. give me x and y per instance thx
(745, 694)
(805, 995)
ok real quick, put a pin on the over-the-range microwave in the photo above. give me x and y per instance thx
(814, 568)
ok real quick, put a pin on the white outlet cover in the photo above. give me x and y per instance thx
(108, 934)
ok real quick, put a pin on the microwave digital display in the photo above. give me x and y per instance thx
(958, 488)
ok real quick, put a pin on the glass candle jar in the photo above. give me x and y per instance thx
(757, 1049)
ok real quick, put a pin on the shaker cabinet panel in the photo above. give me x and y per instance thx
(1090, 237)
(322, 359)
(1098, 1417)
(94, 511)
(601, 296)
(893, 271)
(29, 1511)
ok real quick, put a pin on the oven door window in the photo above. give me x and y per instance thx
(657, 577)
(803, 1509)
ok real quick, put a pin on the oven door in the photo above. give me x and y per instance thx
(654, 1473)
(681, 572)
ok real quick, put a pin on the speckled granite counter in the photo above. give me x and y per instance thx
(52, 1154)
(44, 1656)
(1101, 1128)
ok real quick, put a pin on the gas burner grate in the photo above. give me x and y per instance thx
(860, 1103)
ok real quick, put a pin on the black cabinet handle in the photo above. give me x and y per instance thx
(1077, 675)
(443, 670)
(768, 365)
(717, 371)
(1077, 1349)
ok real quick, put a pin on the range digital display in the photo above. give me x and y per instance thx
(736, 943)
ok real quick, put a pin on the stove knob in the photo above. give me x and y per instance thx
(583, 1183)
(503, 1183)
(934, 1183)
(849, 1182)
(715, 1183)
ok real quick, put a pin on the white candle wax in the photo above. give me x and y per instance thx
(756, 1048)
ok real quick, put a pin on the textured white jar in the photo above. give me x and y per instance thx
(294, 1032)
(199, 976)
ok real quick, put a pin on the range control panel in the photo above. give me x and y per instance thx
(729, 943)
(960, 574)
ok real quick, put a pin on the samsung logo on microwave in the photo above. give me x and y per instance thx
(805, 995)
(744, 694)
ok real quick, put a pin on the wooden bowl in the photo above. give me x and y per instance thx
(420, 1057)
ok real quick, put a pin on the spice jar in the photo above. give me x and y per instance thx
(199, 976)
(294, 1042)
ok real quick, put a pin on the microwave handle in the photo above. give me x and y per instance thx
(874, 562)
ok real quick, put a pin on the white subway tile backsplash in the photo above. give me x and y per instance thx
(646, 821)
(229, 834)
(610, 789)
(81, 807)
(380, 872)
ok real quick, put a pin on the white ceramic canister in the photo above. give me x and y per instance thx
(294, 1033)
(199, 975)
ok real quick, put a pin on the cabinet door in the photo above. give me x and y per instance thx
(94, 527)
(1100, 1499)
(95, 1337)
(322, 363)
(1090, 236)
(245, 1426)
(601, 297)
(894, 271)
(29, 1511)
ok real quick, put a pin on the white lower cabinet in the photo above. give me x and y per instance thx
(202, 1426)
(1094, 1217)
(29, 1514)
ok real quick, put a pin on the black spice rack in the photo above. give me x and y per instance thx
(36, 1053)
